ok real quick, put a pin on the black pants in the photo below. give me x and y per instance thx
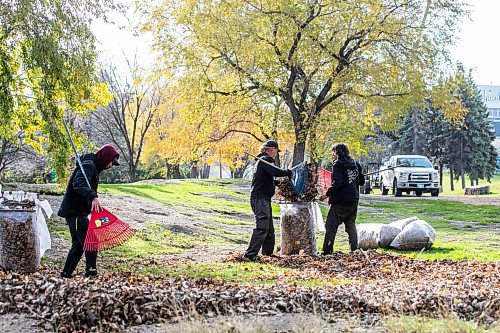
(78, 229)
(263, 234)
(338, 214)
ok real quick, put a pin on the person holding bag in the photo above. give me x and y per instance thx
(263, 189)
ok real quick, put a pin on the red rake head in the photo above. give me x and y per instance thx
(105, 232)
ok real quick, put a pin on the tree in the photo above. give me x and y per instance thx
(463, 142)
(477, 135)
(47, 62)
(411, 136)
(9, 153)
(311, 55)
(127, 119)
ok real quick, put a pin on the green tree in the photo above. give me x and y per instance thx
(466, 144)
(47, 63)
(478, 133)
(411, 137)
(313, 55)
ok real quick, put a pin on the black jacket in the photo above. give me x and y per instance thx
(347, 176)
(78, 198)
(263, 178)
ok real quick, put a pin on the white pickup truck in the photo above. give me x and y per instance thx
(409, 173)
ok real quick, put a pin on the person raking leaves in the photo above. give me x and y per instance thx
(260, 200)
(79, 201)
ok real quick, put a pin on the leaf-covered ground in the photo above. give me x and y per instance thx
(184, 264)
(370, 285)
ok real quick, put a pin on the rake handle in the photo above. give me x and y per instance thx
(388, 168)
(263, 160)
(76, 154)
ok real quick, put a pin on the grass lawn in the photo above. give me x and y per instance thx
(463, 231)
(494, 185)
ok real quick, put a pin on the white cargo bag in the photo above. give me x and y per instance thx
(417, 235)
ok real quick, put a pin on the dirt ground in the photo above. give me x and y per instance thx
(285, 322)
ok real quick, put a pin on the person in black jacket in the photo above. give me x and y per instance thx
(343, 197)
(260, 201)
(79, 201)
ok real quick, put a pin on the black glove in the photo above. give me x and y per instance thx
(289, 173)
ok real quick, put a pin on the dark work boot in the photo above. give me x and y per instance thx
(90, 272)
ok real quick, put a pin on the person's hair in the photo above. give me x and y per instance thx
(341, 150)
(264, 148)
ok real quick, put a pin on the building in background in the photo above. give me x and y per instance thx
(491, 97)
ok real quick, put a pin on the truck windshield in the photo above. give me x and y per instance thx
(414, 162)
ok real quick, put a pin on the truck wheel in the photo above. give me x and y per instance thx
(397, 192)
(418, 193)
(384, 189)
(435, 193)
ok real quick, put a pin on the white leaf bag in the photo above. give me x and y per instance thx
(318, 217)
(41, 225)
(368, 234)
(417, 235)
(386, 235)
(401, 224)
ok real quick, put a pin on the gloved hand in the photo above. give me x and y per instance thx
(289, 173)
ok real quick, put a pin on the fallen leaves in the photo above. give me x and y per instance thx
(383, 284)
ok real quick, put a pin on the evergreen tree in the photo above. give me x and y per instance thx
(466, 147)
(469, 148)
(479, 134)
(411, 136)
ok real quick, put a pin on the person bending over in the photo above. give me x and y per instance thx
(79, 201)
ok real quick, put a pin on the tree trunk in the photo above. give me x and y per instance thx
(239, 172)
(440, 174)
(452, 184)
(176, 172)
(194, 170)
(312, 145)
(167, 170)
(205, 171)
(462, 172)
(132, 173)
(299, 151)
(415, 132)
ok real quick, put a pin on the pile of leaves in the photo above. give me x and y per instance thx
(380, 284)
(285, 191)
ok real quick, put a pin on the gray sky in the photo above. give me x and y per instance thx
(477, 48)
